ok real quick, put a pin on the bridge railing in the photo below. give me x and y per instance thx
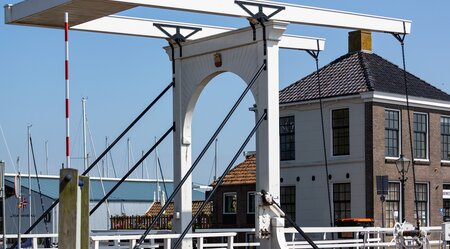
(362, 238)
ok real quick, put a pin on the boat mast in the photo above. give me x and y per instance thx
(106, 158)
(215, 160)
(143, 165)
(158, 189)
(29, 172)
(85, 157)
(129, 153)
(46, 157)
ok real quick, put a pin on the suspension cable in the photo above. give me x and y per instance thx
(38, 182)
(137, 164)
(103, 154)
(401, 39)
(200, 156)
(315, 55)
(219, 182)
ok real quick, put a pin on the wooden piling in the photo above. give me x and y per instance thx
(69, 209)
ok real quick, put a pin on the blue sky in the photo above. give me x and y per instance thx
(120, 75)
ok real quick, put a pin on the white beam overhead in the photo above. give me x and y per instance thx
(47, 13)
(292, 13)
(144, 27)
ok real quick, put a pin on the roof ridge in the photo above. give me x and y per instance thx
(366, 71)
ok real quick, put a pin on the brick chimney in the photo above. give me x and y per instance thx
(359, 40)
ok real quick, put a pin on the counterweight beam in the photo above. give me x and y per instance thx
(46, 13)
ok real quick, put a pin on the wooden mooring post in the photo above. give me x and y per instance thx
(73, 210)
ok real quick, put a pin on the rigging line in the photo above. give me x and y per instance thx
(315, 55)
(401, 39)
(103, 154)
(221, 179)
(200, 156)
(38, 181)
(162, 176)
(7, 149)
(98, 169)
(138, 163)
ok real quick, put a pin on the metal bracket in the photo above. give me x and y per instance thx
(259, 17)
(178, 38)
(315, 53)
(401, 36)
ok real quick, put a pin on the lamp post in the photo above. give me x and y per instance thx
(402, 165)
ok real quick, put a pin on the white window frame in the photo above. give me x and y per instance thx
(400, 200)
(427, 140)
(399, 132)
(331, 132)
(224, 199)
(440, 135)
(250, 193)
(428, 203)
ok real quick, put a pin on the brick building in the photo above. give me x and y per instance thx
(234, 200)
(366, 130)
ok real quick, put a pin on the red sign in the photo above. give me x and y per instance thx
(23, 203)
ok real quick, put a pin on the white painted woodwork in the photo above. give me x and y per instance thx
(46, 13)
(243, 57)
(144, 27)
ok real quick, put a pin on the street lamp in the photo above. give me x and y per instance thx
(402, 167)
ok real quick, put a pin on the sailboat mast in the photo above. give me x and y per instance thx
(29, 173)
(83, 107)
(129, 153)
(143, 165)
(106, 158)
(215, 159)
(158, 189)
(46, 157)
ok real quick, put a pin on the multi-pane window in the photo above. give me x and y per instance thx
(287, 138)
(342, 200)
(422, 203)
(251, 205)
(445, 138)
(229, 203)
(420, 136)
(341, 132)
(393, 204)
(446, 202)
(391, 133)
(287, 198)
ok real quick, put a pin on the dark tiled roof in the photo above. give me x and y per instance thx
(356, 73)
(156, 207)
(243, 173)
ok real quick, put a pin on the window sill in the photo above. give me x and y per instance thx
(416, 162)
(421, 162)
(390, 160)
(445, 163)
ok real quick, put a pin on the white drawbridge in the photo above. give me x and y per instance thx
(199, 53)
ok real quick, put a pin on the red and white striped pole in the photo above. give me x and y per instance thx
(66, 36)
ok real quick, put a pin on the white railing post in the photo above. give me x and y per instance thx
(96, 244)
(132, 243)
(230, 242)
(200, 243)
(167, 243)
(35, 243)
